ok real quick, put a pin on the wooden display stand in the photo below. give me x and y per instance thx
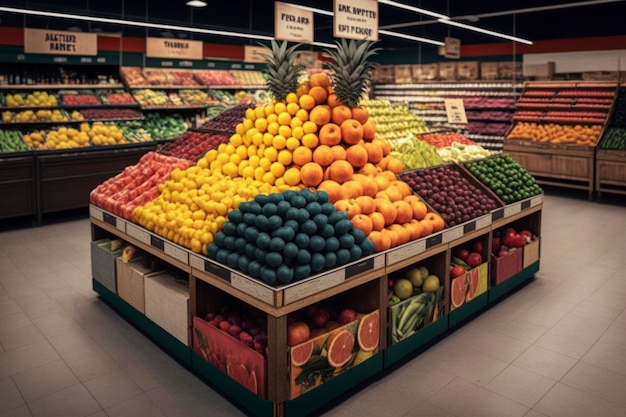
(210, 282)
(610, 172)
(18, 185)
(568, 166)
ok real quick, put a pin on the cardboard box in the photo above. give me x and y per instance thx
(506, 266)
(245, 365)
(448, 70)
(103, 263)
(384, 74)
(468, 70)
(402, 74)
(167, 304)
(305, 378)
(130, 282)
(430, 72)
(531, 253)
(433, 309)
(539, 71)
(489, 71)
(508, 70)
(602, 75)
(472, 284)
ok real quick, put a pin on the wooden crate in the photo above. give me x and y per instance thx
(130, 282)
(506, 266)
(531, 253)
(611, 171)
(167, 304)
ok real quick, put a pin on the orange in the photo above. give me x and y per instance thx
(415, 229)
(357, 155)
(369, 130)
(339, 152)
(303, 115)
(380, 240)
(330, 134)
(333, 189)
(320, 80)
(353, 188)
(394, 194)
(292, 108)
(378, 220)
(382, 182)
(302, 89)
(323, 155)
(402, 232)
(340, 114)
(319, 94)
(369, 169)
(297, 332)
(310, 140)
(387, 209)
(395, 165)
(284, 118)
(370, 187)
(292, 176)
(435, 220)
(361, 114)
(349, 206)
(404, 187)
(302, 155)
(320, 115)
(386, 146)
(351, 131)
(403, 210)
(389, 175)
(307, 102)
(332, 100)
(309, 127)
(362, 222)
(393, 236)
(374, 152)
(311, 174)
(340, 171)
(367, 204)
(427, 227)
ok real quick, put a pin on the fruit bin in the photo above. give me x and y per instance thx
(103, 255)
(167, 302)
(423, 307)
(610, 171)
(468, 270)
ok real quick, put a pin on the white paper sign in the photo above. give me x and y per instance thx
(483, 222)
(512, 209)
(452, 48)
(96, 213)
(535, 201)
(356, 19)
(138, 233)
(252, 288)
(452, 234)
(455, 110)
(176, 252)
(196, 262)
(313, 286)
(405, 252)
(292, 23)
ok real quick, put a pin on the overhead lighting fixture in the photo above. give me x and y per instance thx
(485, 31)
(410, 37)
(135, 23)
(196, 3)
(326, 45)
(414, 9)
(313, 9)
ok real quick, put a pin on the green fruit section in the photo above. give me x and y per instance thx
(614, 139)
(505, 177)
(284, 237)
(11, 141)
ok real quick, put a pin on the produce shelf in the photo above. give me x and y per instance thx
(610, 172)
(58, 86)
(467, 310)
(498, 291)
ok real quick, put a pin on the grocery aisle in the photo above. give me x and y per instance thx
(556, 348)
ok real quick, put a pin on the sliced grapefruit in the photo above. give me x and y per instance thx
(340, 347)
(473, 278)
(457, 291)
(301, 353)
(240, 373)
(368, 333)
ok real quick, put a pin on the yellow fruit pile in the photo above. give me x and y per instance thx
(36, 98)
(29, 116)
(67, 138)
(102, 134)
(35, 139)
(586, 135)
(64, 138)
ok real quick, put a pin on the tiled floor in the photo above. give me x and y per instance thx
(556, 348)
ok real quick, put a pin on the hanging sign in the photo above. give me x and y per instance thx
(253, 54)
(356, 19)
(43, 41)
(455, 111)
(452, 48)
(173, 48)
(292, 23)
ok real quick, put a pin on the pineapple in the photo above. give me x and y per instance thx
(352, 70)
(281, 75)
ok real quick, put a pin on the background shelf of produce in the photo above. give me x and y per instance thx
(611, 152)
(489, 105)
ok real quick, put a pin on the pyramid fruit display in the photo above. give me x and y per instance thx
(312, 135)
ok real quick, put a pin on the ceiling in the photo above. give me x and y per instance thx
(531, 21)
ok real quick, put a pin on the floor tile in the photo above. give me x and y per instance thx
(598, 381)
(20, 411)
(545, 362)
(10, 396)
(44, 380)
(428, 409)
(491, 342)
(565, 401)
(112, 389)
(20, 336)
(522, 330)
(26, 357)
(607, 356)
(534, 413)
(139, 406)
(74, 401)
(520, 385)
(573, 336)
(90, 362)
(614, 335)
(464, 399)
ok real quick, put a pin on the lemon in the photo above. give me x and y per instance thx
(403, 288)
(431, 284)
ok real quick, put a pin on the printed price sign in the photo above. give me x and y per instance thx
(356, 19)
(292, 23)
(455, 110)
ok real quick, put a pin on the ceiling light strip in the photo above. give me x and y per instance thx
(413, 9)
(485, 31)
(410, 37)
(135, 23)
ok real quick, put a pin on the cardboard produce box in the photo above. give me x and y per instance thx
(509, 70)
(430, 72)
(468, 70)
(469, 286)
(402, 74)
(383, 74)
(321, 358)
(448, 71)
(505, 267)
(240, 362)
(130, 281)
(167, 304)
(103, 255)
(531, 253)
(489, 71)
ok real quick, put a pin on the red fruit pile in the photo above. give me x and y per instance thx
(118, 98)
(509, 240)
(136, 185)
(466, 257)
(192, 145)
(249, 326)
(110, 114)
(315, 320)
(80, 99)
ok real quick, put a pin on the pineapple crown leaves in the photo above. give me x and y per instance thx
(281, 75)
(352, 69)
